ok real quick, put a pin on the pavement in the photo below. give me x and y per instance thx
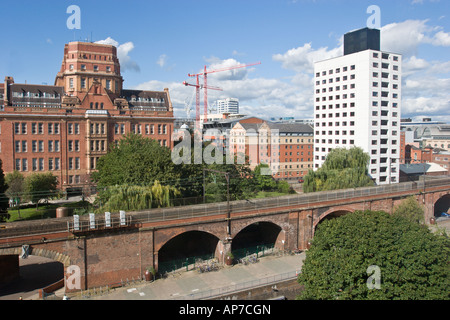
(192, 285)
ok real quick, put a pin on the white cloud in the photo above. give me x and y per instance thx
(162, 60)
(406, 37)
(219, 64)
(123, 51)
(301, 59)
(441, 39)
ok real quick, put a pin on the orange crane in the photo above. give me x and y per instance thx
(198, 86)
(206, 87)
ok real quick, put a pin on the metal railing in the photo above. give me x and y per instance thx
(239, 287)
(219, 209)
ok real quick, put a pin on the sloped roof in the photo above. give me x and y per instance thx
(419, 168)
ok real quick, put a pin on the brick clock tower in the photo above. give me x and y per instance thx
(67, 127)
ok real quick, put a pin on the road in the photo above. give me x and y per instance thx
(35, 273)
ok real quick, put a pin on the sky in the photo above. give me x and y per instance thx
(161, 42)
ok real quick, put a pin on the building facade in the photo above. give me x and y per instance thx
(288, 148)
(357, 102)
(228, 105)
(67, 127)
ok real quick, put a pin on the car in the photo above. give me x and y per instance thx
(301, 180)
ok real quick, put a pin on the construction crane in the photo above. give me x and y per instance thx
(198, 86)
(188, 105)
(205, 83)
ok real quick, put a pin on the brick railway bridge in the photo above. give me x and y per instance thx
(123, 249)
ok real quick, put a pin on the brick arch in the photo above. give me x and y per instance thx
(164, 237)
(280, 241)
(50, 254)
(336, 210)
(439, 197)
(238, 227)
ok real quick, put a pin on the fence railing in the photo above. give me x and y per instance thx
(211, 209)
(238, 287)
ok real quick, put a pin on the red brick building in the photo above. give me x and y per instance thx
(67, 127)
(418, 155)
(288, 148)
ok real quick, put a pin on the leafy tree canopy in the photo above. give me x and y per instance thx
(411, 210)
(40, 186)
(136, 160)
(134, 198)
(413, 262)
(342, 169)
(3, 198)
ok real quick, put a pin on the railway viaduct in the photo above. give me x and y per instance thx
(107, 253)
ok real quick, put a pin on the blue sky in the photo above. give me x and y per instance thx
(160, 42)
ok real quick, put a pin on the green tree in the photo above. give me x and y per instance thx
(134, 198)
(136, 160)
(40, 186)
(413, 262)
(411, 210)
(4, 203)
(16, 187)
(264, 182)
(342, 169)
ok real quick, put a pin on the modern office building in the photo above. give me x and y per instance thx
(357, 102)
(67, 127)
(228, 105)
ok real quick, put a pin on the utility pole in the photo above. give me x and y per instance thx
(227, 177)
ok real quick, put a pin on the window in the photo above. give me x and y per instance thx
(71, 83)
(83, 83)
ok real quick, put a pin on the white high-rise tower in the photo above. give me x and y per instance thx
(228, 105)
(358, 103)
